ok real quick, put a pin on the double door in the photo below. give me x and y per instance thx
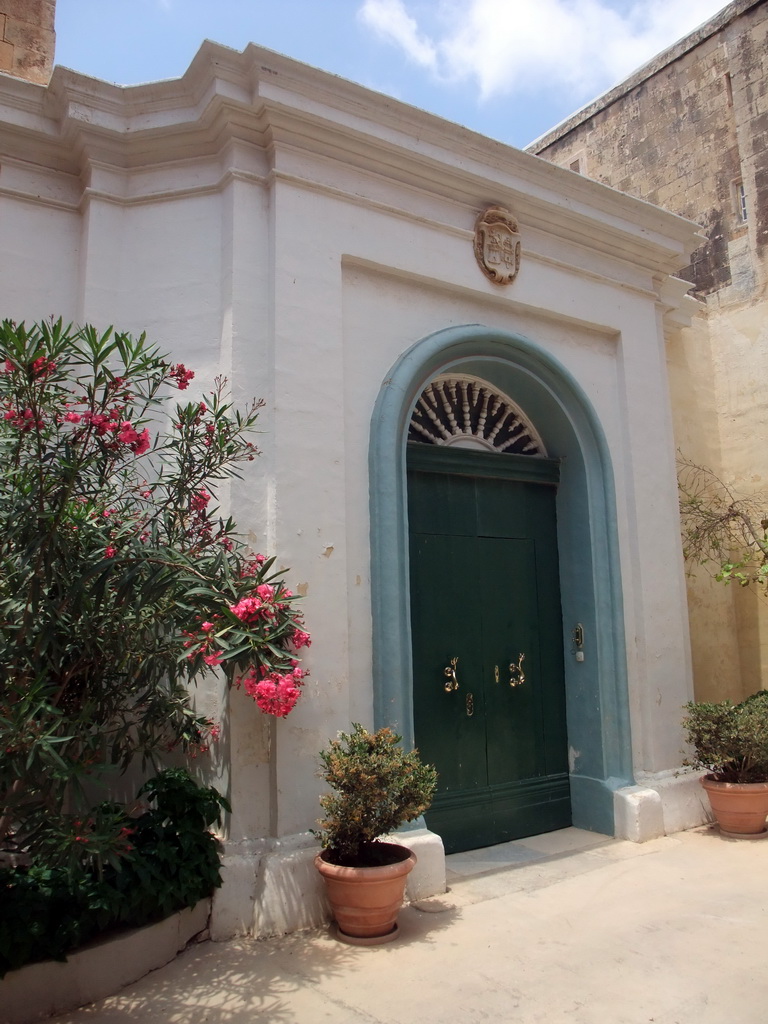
(488, 691)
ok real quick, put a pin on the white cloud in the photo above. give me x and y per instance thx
(524, 45)
(391, 20)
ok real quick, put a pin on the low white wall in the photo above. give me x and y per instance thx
(661, 803)
(277, 889)
(97, 970)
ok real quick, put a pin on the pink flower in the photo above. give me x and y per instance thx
(142, 443)
(300, 639)
(41, 367)
(248, 679)
(276, 695)
(265, 591)
(127, 434)
(72, 417)
(247, 609)
(110, 552)
(23, 420)
(100, 422)
(181, 375)
(207, 626)
(214, 658)
(198, 501)
(138, 443)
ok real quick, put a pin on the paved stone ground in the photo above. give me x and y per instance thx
(569, 928)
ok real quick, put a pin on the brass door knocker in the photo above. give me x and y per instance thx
(517, 676)
(451, 682)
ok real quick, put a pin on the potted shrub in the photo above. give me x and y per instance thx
(730, 742)
(728, 533)
(377, 787)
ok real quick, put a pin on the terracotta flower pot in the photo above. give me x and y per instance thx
(365, 901)
(739, 807)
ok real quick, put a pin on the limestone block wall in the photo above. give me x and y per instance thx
(688, 132)
(685, 132)
(27, 38)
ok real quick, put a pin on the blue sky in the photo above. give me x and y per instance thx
(510, 69)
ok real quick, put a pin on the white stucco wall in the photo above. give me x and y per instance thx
(293, 232)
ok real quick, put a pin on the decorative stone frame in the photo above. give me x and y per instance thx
(597, 688)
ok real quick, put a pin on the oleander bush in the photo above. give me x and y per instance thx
(121, 584)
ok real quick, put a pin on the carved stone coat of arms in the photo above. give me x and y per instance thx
(497, 245)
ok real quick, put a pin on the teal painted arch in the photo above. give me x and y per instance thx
(597, 688)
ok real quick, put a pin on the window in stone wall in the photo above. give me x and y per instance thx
(728, 88)
(576, 162)
(740, 200)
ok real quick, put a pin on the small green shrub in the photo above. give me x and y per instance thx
(730, 740)
(378, 787)
(169, 860)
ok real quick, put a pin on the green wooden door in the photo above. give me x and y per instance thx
(485, 590)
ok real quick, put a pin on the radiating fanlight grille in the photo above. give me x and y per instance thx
(468, 413)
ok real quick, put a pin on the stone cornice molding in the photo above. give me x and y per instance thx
(677, 307)
(280, 107)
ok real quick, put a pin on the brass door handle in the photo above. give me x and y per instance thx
(516, 674)
(451, 682)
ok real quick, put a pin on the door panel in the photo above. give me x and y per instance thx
(509, 630)
(484, 589)
(445, 628)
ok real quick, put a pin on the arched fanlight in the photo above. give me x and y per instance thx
(460, 411)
